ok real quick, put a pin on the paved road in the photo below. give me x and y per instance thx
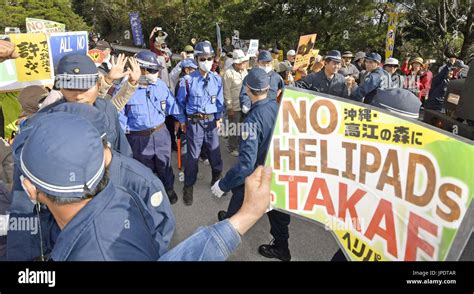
(308, 241)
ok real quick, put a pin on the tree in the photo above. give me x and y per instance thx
(13, 14)
(439, 24)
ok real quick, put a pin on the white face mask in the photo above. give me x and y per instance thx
(205, 66)
(191, 55)
(22, 178)
(151, 78)
(148, 79)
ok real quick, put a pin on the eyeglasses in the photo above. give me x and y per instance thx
(152, 71)
(204, 59)
(189, 52)
(391, 65)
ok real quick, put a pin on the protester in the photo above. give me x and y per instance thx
(359, 60)
(347, 68)
(275, 62)
(277, 85)
(391, 66)
(7, 51)
(417, 81)
(106, 49)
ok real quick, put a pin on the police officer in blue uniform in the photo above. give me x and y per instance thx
(376, 78)
(146, 112)
(277, 85)
(201, 96)
(256, 137)
(77, 78)
(123, 171)
(97, 221)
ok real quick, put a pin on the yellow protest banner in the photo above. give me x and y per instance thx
(390, 40)
(305, 50)
(34, 61)
(388, 187)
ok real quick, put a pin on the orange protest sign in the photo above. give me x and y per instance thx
(305, 50)
(96, 55)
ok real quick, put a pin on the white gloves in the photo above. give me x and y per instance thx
(245, 109)
(216, 190)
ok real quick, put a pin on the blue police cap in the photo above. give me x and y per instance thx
(265, 56)
(76, 71)
(63, 156)
(258, 79)
(374, 56)
(188, 63)
(333, 55)
(86, 111)
(398, 100)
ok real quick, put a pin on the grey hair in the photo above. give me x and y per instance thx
(88, 194)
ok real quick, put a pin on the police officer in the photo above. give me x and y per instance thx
(201, 97)
(77, 78)
(123, 171)
(146, 112)
(256, 137)
(277, 85)
(376, 78)
(68, 176)
(328, 80)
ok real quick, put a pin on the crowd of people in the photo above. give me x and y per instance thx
(110, 129)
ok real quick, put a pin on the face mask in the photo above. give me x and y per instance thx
(267, 69)
(151, 78)
(205, 65)
(191, 55)
(107, 59)
(148, 79)
(22, 178)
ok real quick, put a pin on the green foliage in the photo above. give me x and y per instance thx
(426, 27)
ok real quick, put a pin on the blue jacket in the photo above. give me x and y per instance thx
(113, 228)
(197, 94)
(439, 85)
(276, 83)
(256, 138)
(123, 172)
(319, 82)
(376, 79)
(149, 106)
